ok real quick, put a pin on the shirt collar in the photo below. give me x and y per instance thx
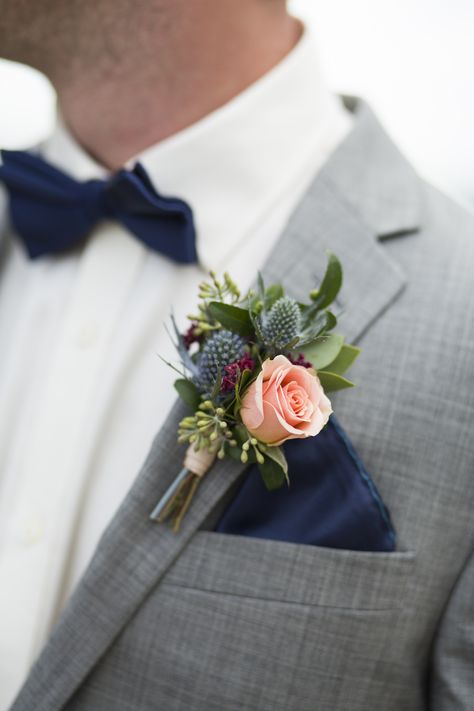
(232, 165)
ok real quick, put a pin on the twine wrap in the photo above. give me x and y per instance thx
(198, 462)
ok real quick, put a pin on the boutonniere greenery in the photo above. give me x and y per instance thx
(255, 371)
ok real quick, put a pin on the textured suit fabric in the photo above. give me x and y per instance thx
(453, 672)
(218, 623)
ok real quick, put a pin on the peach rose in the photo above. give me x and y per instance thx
(286, 401)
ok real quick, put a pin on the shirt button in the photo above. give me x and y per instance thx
(32, 530)
(87, 336)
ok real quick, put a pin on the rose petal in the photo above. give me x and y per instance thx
(252, 405)
(273, 428)
(287, 408)
(286, 401)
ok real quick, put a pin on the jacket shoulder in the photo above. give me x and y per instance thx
(446, 223)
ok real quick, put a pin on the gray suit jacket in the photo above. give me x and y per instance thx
(213, 622)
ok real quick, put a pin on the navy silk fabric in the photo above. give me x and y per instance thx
(331, 501)
(52, 212)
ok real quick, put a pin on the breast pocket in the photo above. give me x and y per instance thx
(263, 625)
(293, 573)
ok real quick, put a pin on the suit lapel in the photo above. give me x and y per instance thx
(366, 190)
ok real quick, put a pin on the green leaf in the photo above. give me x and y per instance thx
(234, 452)
(241, 435)
(240, 386)
(332, 382)
(330, 285)
(344, 360)
(316, 325)
(324, 350)
(254, 303)
(291, 344)
(274, 469)
(217, 387)
(232, 318)
(278, 456)
(256, 325)
(272, 294)
(245, 379)
(188, 393)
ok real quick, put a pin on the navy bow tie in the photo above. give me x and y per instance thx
(53, 212)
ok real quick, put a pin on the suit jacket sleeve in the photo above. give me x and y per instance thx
(452, 674)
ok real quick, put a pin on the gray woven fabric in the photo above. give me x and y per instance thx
(453, 677)
(210, 622)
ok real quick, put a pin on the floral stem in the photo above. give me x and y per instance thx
(167, 498)
(186, 503)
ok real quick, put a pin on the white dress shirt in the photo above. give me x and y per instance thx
(82, 389)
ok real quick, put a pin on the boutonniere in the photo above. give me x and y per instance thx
(256, 370)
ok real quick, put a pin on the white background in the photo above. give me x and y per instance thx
(412, 59)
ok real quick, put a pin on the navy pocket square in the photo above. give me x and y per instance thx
(332, 500)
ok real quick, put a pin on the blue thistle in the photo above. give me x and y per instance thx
(282, 323)
(220, 349)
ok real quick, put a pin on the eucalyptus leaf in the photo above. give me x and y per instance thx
(188, 393)
(332, 382)
(344, 359)
(232, 318)
(324, 350)
(330, 285)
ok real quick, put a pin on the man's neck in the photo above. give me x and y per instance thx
(172, 76)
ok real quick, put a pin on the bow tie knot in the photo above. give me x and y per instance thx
(53, 212)
(105, 199)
